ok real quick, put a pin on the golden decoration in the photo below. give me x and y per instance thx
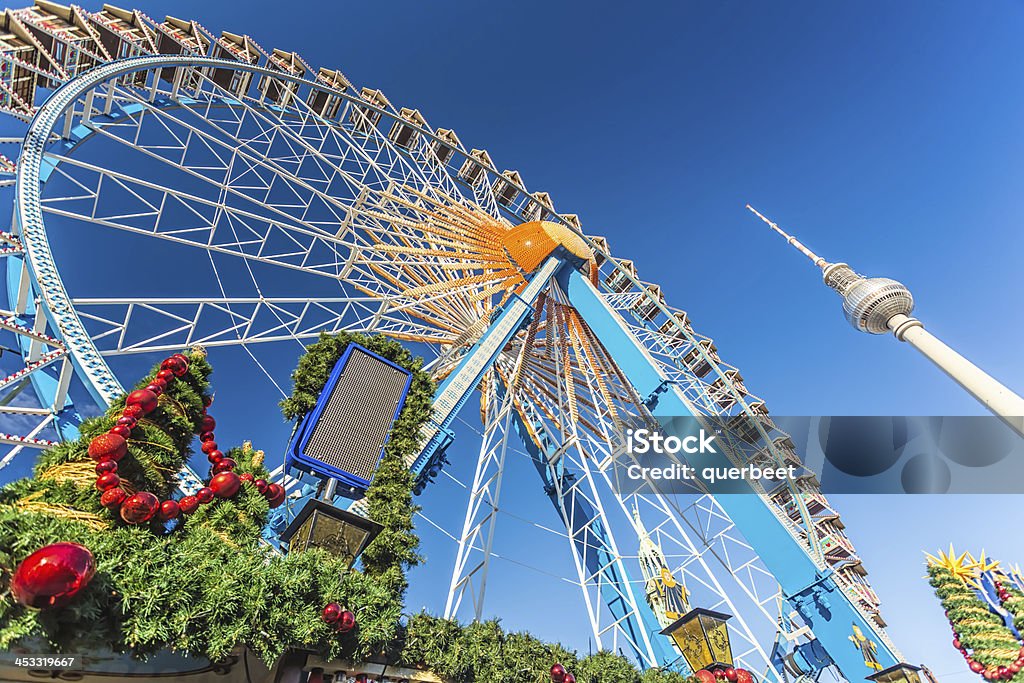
(963, 566)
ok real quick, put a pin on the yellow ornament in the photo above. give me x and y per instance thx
(963, 566)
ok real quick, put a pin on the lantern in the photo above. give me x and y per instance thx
(901, 673)
(321, 525)
(703, 639)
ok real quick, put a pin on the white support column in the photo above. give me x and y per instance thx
(477, 537)
(996, 397)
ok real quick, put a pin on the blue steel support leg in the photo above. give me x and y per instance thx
(810, 589)
(591, 545)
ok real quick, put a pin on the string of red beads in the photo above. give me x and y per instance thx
(108, 449)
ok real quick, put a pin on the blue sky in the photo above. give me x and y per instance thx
(884, 135)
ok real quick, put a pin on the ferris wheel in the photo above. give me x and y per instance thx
(293, 202)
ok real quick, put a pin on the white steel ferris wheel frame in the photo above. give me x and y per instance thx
(710, 550)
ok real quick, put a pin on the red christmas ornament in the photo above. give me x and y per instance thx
(205, 436)
(176, 366)
(127, 421)
(331, 613)
(977, 667)
(261, 485)
(106, 466)
(569, 678)
(132, 411)
(956, 643)
(744, 676)
(122, 431)
(346, 622)
(107, 447)
(188, 504)
(204, 495)
(557, 673)
(224, 465)
(52, 576)
(247, 478)
(207, 424)
(156, 386)
(139, 507)
(274, 495)
(225, 484)
(108, 481)
(730, 674)
(704, 676)
(184, 359)
(165, 375)
(112, 498)
(214, 456)
(168, 510)
(145, 399)
(209, 447)
(207, 401)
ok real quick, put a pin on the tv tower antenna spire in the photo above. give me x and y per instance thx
(878, 305)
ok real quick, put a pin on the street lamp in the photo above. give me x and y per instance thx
(901, 673)
(703, 639)
(321, 525)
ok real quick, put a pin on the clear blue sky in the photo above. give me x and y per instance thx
(885, 135)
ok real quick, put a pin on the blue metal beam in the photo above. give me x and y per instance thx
(813, 592)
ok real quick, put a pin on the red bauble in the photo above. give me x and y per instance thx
(704, 676)
(225, 484)
(165, 375)
(331, 613)
(107, 447)
(127, 421)
(112, 498)
(157, 386)
(557, 673)
(208, 447)
(168, 510)
(977, 667)
(247, 478)
(214, 456)
(207, 401)
(105, 466)
(1003, 672)
(205, 436)
(720, 674)
(569, 678)
(108, 481)
(184, 359)
(730, 674)
(346, 622)
(188, 504)
(1014, 668)
(261, 485)
(205, 494)
(176, 364)
(274, 495)
(139, 507)
(145, 399)
(956, 643)
(224, 465)
(122, 431)
(207, 424)
(744, 676)
(132, 411)
(53, 575)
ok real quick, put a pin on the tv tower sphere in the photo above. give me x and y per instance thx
(877, 305)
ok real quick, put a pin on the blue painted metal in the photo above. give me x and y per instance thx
(453, 393)
(810, 589)
(591, 544)
(295, 457)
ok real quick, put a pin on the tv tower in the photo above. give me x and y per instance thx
(877, 305)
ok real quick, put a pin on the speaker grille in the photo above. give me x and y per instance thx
(357, 416)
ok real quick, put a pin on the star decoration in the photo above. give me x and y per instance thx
(982, 565)
(963, 566)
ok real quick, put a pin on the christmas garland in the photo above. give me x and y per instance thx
(988, 646)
